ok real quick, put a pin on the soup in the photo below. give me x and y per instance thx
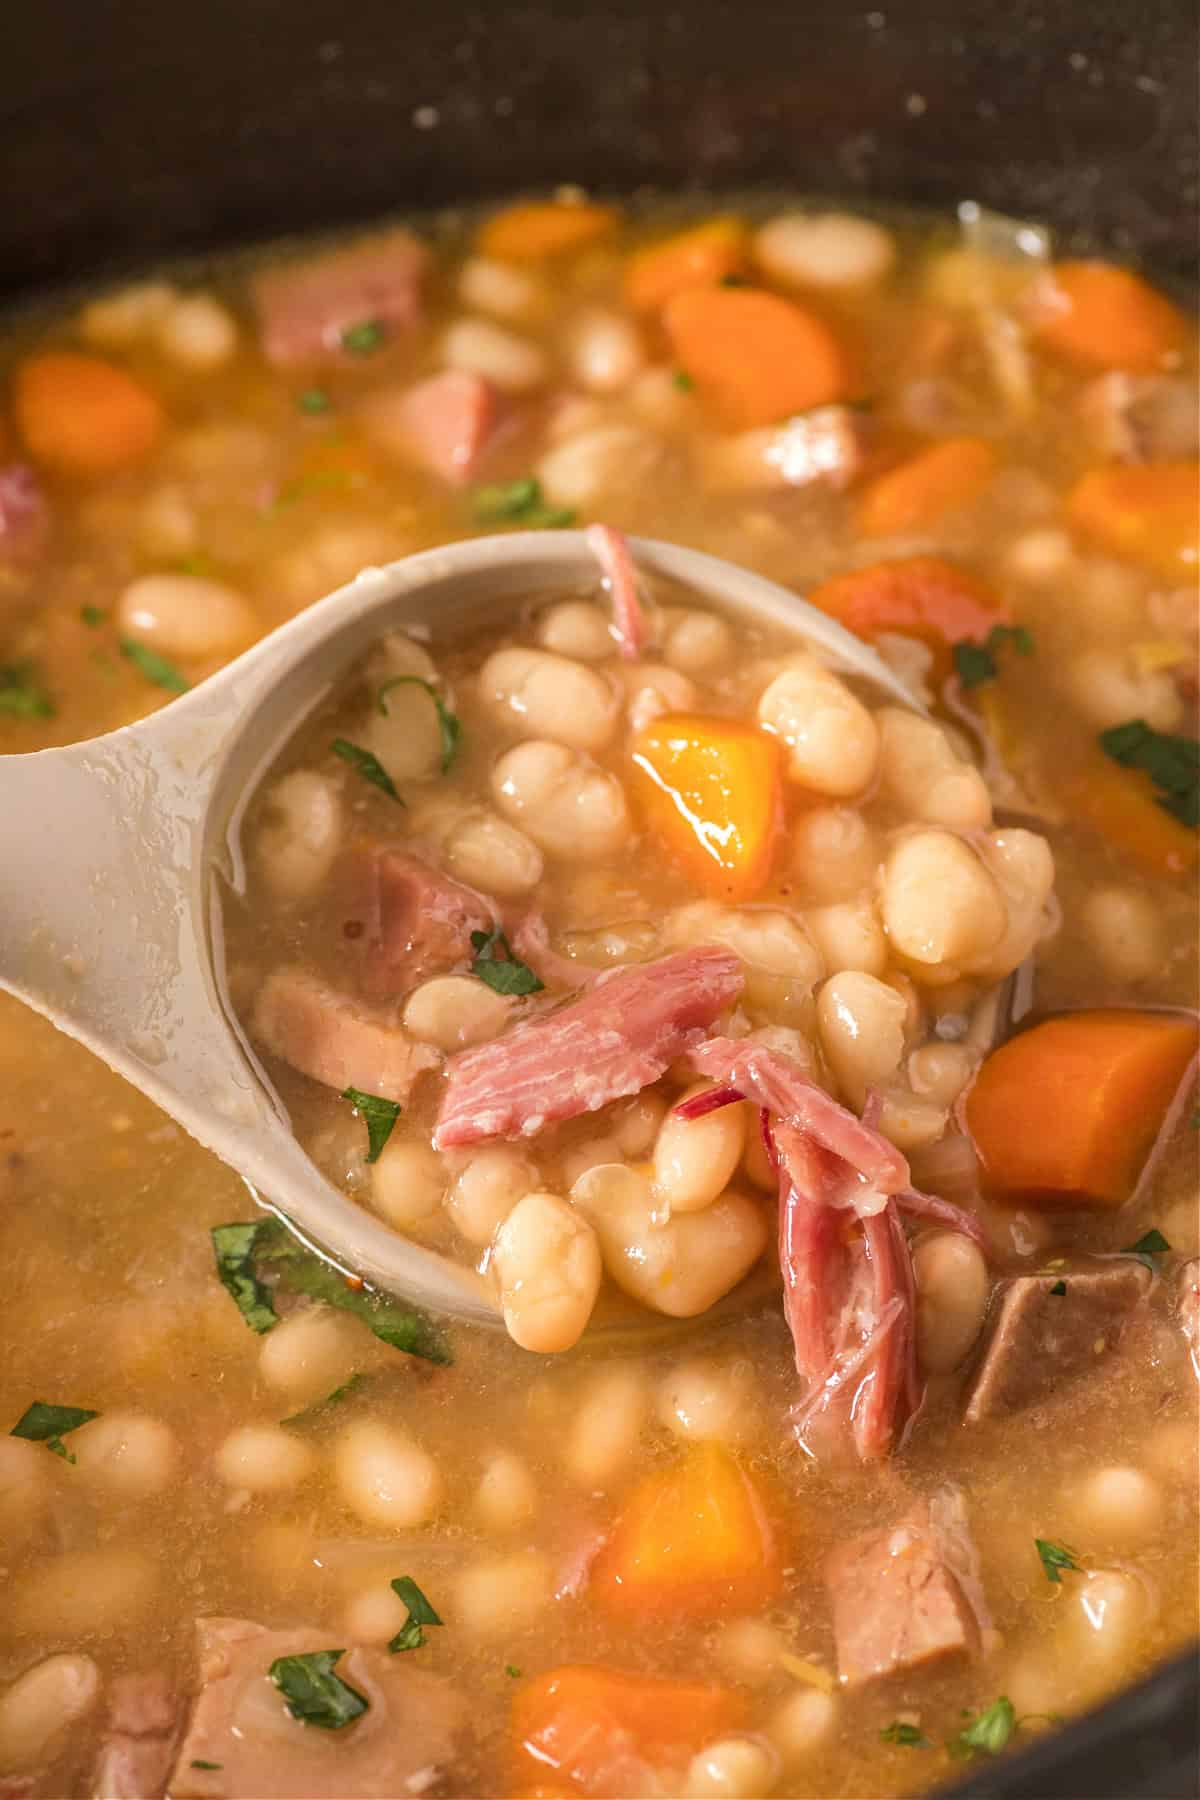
(804, 1075)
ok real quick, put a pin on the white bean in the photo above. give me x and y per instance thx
(486, 1190)
(939, 1072)
(655, 691)
(834, 852)
(186, 615)
(832, 740)
(308, 1354)
(514, 364)
(25, 1490)
(1023, 868)
(750, 1650)
(703, 1399)
(568, 805)
(923, 777)
(547, 1265)
(848, 934)
(453, 1011)
(607, 1422)
(861, 1022)
(681, 1266)
(385, 1478)
(399, 654)
(488, 853)
(1108, 687)
(129, 1454)
(596, 462)
(694, 1159)
(264, 1459)
(167, 525)
(409, 1182)
(1041, 555)
(551, 697)
(39, 1708)
(603, 351)
(940, 905)
(741, 1768)
(952, 1295)
(801, 1725)
(198, 332)
(576, 628)
(589, 1153)
(501, 288)
(1124, 929)
(374, 1615)
(824, 250)
(1108, 1611)
(1118, 1508)
(406, 735)
(695, 642)
(782, 964)
(299, 834)
(507, 1495)
(116, 321)
(911, 1123)
(502, 1595)
(661, 402)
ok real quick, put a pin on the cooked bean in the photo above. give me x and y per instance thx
(551, 696)
(198, 332)
(801, 1724)
(654, 691)
(374, 1615)
(40, 1707)
(1043, 554)
(568, 806)
(589, 1153)
(952, 1295)
(310, 1353)
(1117, 1508)
(922, 776)
(1108, 687)
(453, 1011)
(824, 250)
(514, 364)
(264, 1459)
(594, 462)
(547, 1265)
(909, 1122)
(848, 934)
(636, 1122)
(861, 1021)
(25, 1489)
(576, 628)
(939, 1072)
(486, 1189)
(186, 615)
(167, 525)
(502, 289)
(680, 1266)
(834, 852)
(702, 1398)
(409, 1181)
(749, 1650)
(739, 1767)
(660, 402)
(1125, 931)
(406, 736)
(832, 740)
(939, 903)
(116, 321)
(694, 1159)
(386, 1478)
(1023, 868)
(507, 1495)
(782, 964)
(603, 351)
(607, 1421)
(299, 834)
(1108, 1612)
(502, 1595)
(488, 853)
(129, 1454)
(400, 654)
(694, 642)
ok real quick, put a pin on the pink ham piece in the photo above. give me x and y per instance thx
(324, 1035)
(144, 1719)
(304, 308)
(399, 919)
(611, 550)
(23, 513)
(531, 945)
(612, 1041)
(444, 425)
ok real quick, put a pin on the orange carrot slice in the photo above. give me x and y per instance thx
(82, 416)
(533, 229)
(689, 259)
(694, 1539)
(1063, 1115)
(711, 791)
(755, 356)
(1119, 804)
(1106, 318)
(919, 490)
(1150, 513)
(924, 597)
(590, 1729)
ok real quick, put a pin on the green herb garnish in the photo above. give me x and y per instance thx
(366, 765)
(22, 695)
(92, 615)
(313, 400)
(1054, 1557)
(989, 1730)
(1152, 1243)
(449, 723)
(45, 1423)
(976, 663)
(234, 1247)
(364, 338)
(154, 667)
(313, 1693)
(519, 502)
(411, 1634)
(378, 1115)
(512, 1671)
(1059, 1289)
(319, 481)
(311, 1415)
(1171, 762)
(900, 1733)
(503, 973)
(198, 563)
(683, 381)
(198, 1762)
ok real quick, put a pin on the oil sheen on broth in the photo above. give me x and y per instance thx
(494, 972)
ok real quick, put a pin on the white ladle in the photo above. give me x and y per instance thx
(112, 852)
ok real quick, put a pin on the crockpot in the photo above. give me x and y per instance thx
(133, 130)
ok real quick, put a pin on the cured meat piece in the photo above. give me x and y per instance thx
(611, 550)
(1187, 1309)
(444, 424)
(612, 1041)
(400, 919)
(531, 943)
(326, 1036)
(144, 1718)
(24, 515)
(305, 308)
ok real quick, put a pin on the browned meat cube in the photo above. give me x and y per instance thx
(134, 1760)
(1049, 1329)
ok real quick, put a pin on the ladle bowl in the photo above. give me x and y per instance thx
(113, 853)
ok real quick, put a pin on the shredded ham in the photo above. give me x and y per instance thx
(611, 550)
(23, 512)
(530, 942)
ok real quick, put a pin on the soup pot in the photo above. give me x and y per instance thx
(139, 131)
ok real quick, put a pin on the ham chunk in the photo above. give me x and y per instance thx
(907, 1596)
(612, 1041)
(401, 919)
(305, 307)
(23, 513)
(323, 1034)
(401, 1745)
(1143, 418)
(1043, 1339)
(444, 424)
(134, 1761)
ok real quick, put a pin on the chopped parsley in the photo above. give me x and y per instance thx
(367, 765)
(989, 1730)
(45, 1423)
(378, 1115)
(364, 338)
(317, 481)
(512, 1671)
(683, 381)
(411, 1634)
(449, 723)
(1059, 1289)
(1171, 762)
(234, 1247)
(198, 1762)
(313, 1693)
(1054, 1558)
(976, 663)
(519, 502)
(899, 1732)
(496, 965)
(1152, 1243)
(92, 615)
(313, 400)
(22, 695)
(154, 667)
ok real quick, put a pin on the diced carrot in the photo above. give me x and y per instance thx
(693, 1539)
(1149, 512)
(919, 490)
(1064, 1114)
(1106, 318)
(919, 596)
(80, 415)
(533, 229)
(689, 259)
(711, 790)
(1120, 805)
(755, 356)
(595, 1730)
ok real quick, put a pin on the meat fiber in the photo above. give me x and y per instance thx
(399, 919)
(305, 308)
(611, 550)
(144, 1718)
(24, 515)
(325, 1035)
(444, 424)
(612, 1041)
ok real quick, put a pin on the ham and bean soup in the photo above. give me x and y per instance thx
(805, 1077)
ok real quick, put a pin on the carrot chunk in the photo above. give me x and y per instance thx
(689, 259)
(1064, 1114)
(1106, 318)
(919, 490)
(1120, 805)
(694, 1539)
(595, 1730)
(1150, 513)
(755, 356)
(534, 229)
(920, 596)
(711, 791)
(82, 416)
